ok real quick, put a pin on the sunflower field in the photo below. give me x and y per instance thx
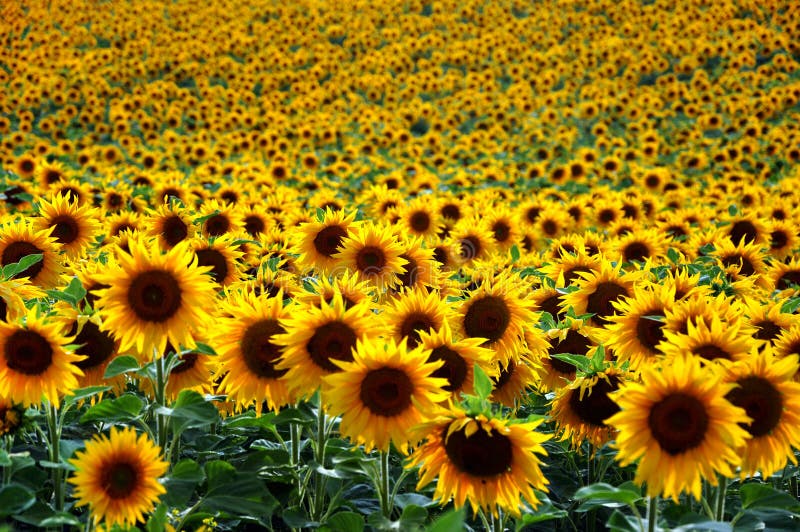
(399, 265)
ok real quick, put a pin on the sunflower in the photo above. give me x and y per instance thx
(414, 312)
(20, 239)
(352, 290)
(784, 238)
(96, 346)
(571, 337)
(317, 336)
(248, 355)
(472, 240)
(768, 320)
(35, 363)
(13, 295)
(505, 227)
(771, 399)
(635, 332)
(678, 425)
(317, 242)
(513, 381)
(419, 217)
(11, 417)
(746, 228)
(372, 252)
(566, 269)
(581, 408)
(192, 371)
(784, 277)
(74, 226)
(711, 340)
(154, 297)
(492, 463)
(498, 311)
(599, 290)
(171, 224)
(218, 219)
(421, 268)
(459, 357)
(221, 256)
(639, 245)
(740, 260)
(385, 391)
(117, 477)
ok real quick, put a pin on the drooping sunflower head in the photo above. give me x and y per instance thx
(34, 362)
(373, 253)
(490, 463)
(19, 239)
(155, 297)
(765, 389)
(679, 427)
(318, 241)
(498, 310)
(117, 477)
(383, 393)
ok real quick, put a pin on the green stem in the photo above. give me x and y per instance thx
(294, 434)
(321, 440)
(485, 521)
(320, 481)
(497, 522)
(384, 492)
(54, 430)
(719, 509)
(793, 486)
(160, 392)
(652, 513)
(8, 444)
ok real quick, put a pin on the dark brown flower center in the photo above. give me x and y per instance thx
(487, 317)
(571, 274)
(420, 221)
(258, 351)
(743, 229)
(778, 239)
(454, 368)
(174, 230)
(254, 225)
(501, 231)
(635, 251)
(415, 323)
(120, 480)
(678, 423)
(65, 229)
(28, 352)
(218, 225)
(597, 406)
(154, 296)
(386, 392)
(745, 266)
(481, 454)
(96, 345)
(16, 251)
(3, 309)
(762, 402)
(329, 239)
(451, 211)
(185, 363)
(370, 260)
(573, 343)
(332, 340)
(215, 259)
(409, 277)
(551, 306)
(767, 331)
(711, 352)
(788, 279)
(649, 331)
(504, 376)
(470, 247)
(599, 302)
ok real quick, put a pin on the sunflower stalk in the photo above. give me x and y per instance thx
(160, 393)
(319, 480)
(8, 443)
(719, 507)
(652, 513)
(54, 429)
(384, 491)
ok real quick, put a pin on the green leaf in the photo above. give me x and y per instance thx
(673, 255)
(482, 383)
(581, 362)
(42, 515)
(15, 498)
(296, 517)
(345, 522)
(182, 482)
(158, 519)
(5, 460)
(10, 270)
(204, 349)
(413, 516)
(219, 472)
(84, 393)
(619, 522)
(190, 410)
(452, 520)
(762, 496)
(602, 494)
(124, 408)
(515, 253)
(790, 305)
(75, 289)
(120, 365)
(544, 512)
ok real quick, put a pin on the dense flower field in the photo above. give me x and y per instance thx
(501, 265)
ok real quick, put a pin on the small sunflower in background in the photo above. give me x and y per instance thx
(245, 341)
(318, 241)
(679, 427)
(34, 361)
(383, 393)
(117, 477)
(155, 297)
(765, 389)
(413, 313)
(491, 463)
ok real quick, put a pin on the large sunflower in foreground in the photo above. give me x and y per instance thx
(117, 477)
(385, 391)
(33, 361)
(247, 352)
(18, 240)
(154, 297)
(679, 426)
(373, 253)
(491, 463)
(766, 391)
(317, 336)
